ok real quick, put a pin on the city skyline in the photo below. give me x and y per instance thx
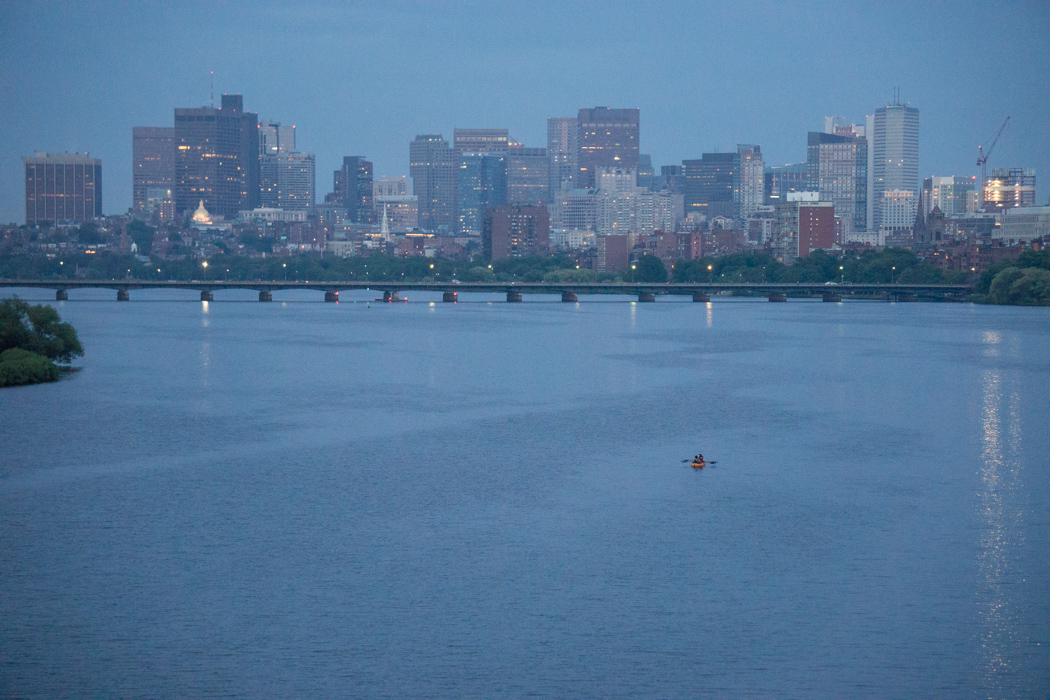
(685, 111)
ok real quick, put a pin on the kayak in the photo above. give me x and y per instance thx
(698, 465)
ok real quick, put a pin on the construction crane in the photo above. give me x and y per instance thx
(983, 157)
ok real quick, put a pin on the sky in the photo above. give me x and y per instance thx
(363, 78)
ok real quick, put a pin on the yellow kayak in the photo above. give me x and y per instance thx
(698, 465)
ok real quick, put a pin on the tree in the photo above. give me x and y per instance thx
(37, 329)
(648, 268)
(142, 235)
(88, 234)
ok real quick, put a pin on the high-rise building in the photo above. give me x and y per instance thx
(712, 185)
(62, 187)
(296, 181)
(480, 140)
(287, 178)
(391, 187)
(645, 171)
(275, 139)
(528, 176)
(217, 158)
(955, 195)
(562, 150)
(895, 152)
(899, 210)
(670, 179)
(515, 232)
(752, 179)
(1009, 187)
(838, 169)
(575, 210)
(481, 183)
(608, 138)
(781, 179)
(433, 171)
(816, 227)
(152, 162)
(352, 187)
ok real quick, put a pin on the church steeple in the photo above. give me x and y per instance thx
(384, 229)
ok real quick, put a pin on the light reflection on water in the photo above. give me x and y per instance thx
(1000, 506)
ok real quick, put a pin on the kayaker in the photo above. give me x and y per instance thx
(698, 458)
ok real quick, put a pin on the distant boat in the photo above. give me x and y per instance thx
(698, 465)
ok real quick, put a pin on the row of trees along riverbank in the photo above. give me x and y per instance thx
(32, 340)
(889, 265)
(1019, 282)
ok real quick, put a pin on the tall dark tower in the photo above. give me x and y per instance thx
(353, 188)
(608, 138)
(432, 167)
(217, 158)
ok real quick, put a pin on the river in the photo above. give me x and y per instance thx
(486, 499)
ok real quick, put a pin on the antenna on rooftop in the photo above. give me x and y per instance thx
(213, 89)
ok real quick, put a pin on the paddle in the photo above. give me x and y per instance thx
(689, 461)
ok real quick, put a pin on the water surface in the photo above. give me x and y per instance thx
(488, 499)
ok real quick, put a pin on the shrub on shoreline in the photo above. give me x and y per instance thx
(18, 367)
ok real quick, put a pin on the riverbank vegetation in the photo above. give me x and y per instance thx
(1022, 281)
(33, 339)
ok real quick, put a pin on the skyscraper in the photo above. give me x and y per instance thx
(352, 187)
(62, 187)
(895, 149)
(562, 150)
(287, 178)
(217, 158)
(528, 176)
(837, 168)
(712, 185)
(481, 183)
(752, 179)
(607, 138)
(480, 140)
(433, 172)
(152, 162)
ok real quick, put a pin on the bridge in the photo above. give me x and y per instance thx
(569, 291)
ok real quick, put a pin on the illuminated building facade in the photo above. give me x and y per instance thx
(217, 158)
(1009, 187)
(607, 138)
(515, 232)
(152, 163)
(837, 168)
(62, 187)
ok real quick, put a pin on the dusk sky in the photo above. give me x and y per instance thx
(365, 78)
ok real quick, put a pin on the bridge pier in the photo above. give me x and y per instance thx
(122, 295)
(331, 296)
(61, 295)
(265, 296)
(646, 296)
(569, 297)
(700, 296)
(513, 297)
(206, 296)
(904, 296)
(778, 296)
(828, 296)
(391, 297)
(450, 297)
